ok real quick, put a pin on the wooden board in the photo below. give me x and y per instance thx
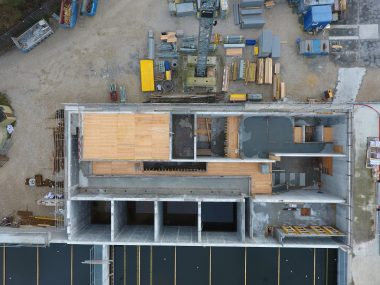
(328, 134)
(268, 71)
(126, 136)
(238, 52)
(260, 71)
(282, 91)
(327, 165)
(260, 183)
(232, 137)
(297, 135)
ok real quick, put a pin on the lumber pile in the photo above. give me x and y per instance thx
(260, 71)
(268, 70)
(169, 37)
(250, 72)
(236, 52)
(278, 85)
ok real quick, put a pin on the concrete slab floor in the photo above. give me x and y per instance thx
(366, 257)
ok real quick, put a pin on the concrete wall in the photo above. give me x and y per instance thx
(240, 216)
(158, 219)
(118, 218)
(80, 217)
(338, 184)
(199, 225)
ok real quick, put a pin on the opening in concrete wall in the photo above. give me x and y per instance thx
(211, 136)
(180, 220)
(91, 221)
(133, 221)
(221, 222)
(183, 136)
(180, 214)
(219, 216)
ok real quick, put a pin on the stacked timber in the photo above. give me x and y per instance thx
(268, 71)
(232, 137)
(260, 71)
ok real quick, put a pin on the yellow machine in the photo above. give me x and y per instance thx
(147, 75)
(238, 97)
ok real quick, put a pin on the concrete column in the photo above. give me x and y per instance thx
(241, 220)
(158, 219)
(199, 221)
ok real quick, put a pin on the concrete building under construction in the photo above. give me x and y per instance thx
(207, 175)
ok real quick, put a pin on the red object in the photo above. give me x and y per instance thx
(114, 96)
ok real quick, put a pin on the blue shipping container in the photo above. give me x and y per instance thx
(317, 17)
(89, 7)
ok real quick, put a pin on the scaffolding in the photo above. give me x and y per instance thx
(59, 169)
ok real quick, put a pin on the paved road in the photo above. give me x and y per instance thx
(362, 21)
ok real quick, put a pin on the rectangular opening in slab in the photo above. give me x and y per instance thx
(133, 221)
(219, 216)
(140, 213)
(183, 136)
(100, 213)
(174, 166)
(211, 136)
(90, 221)
(180, 214)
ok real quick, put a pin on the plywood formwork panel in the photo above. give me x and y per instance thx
(260, 183)
(126, 136)
(232, 137)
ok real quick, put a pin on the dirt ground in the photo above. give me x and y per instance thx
(77, 65)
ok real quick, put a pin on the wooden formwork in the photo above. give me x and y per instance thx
(232, 137)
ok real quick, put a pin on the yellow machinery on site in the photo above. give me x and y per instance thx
(238, 97)
(147, 75)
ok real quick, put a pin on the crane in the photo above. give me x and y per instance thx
(206, 22)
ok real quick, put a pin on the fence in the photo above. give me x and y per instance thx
(45, 11)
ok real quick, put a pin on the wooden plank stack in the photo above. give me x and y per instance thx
(260, 71)
(268, 71)
(236, 52)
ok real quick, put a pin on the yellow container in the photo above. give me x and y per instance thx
(255, 50)
(168, 75)
(147, 75)
(238, 97)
